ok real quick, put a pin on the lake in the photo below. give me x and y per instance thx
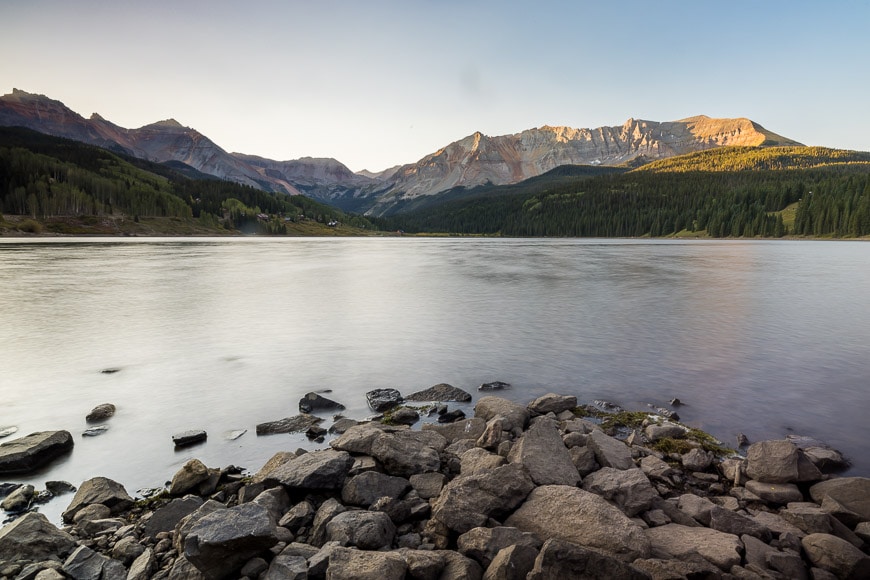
(766, 338)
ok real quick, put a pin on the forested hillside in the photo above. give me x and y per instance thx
(48, 178)
(728, 192)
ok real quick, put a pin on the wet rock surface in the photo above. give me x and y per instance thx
(516, 491)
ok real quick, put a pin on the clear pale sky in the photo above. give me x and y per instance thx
(376, 83)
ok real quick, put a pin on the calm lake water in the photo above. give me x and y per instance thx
(764, 337)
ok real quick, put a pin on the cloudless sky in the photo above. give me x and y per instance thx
(376, 83)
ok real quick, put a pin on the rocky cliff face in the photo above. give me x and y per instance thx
(479, 159)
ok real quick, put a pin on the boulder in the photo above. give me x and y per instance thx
(725, 520)
(544, 455)
(773, 461)
(610, 452)
(364, 489)
(95, 431)
(275, 500)
(778, 493)
(423, 564)
(18, 500)
(629, 489)
(298, 516)
(188, 478)
(808, 517)
(655, 468)
(697, 460)
(182, 569)
(836, 556)
(823, 456)
(349, 564)
(95, 511)
(358, 439)
(366, 530)
(552, 403)
(777, 524)
(515, 416)
(288, 424)
(405, 416)
(463, 429)
(222, 541)
(511, 563)
(312, 402)
(477, 460)
(583, 459)
(127, 549)
(482, 544)
(428, 485)
(99, 490)
(33, 537)
(190, 437)
(583, 518)
(186, 524)
(846, 498)
(697, 507)
(28, 453)
(494, 386)
(342, 425)
(280, 458)
(667, 430)
(458, 567)
(440, 392)
(327, 510)
(470, 501)
(685, 543)
(143, 567)
(381, 400)
(85, 564)
(560, 559)
(100, 413)
(324, 469)
(493, 434)
(405, 453)
(284, 567)
(672, 569)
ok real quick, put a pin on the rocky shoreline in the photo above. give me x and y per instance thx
(551, 489)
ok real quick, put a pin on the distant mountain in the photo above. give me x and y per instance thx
(468, 163)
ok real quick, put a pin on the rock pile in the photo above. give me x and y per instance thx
(536, 491)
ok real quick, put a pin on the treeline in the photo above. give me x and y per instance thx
(718, 203)
(45, 177)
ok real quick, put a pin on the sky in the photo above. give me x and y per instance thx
(377, 83)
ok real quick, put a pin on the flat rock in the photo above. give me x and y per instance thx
(574, 515)
(366, 488)
(836, 556)
(560, 559)
(381, 400)
(405, 453)
(342, 425)
(312, 402)
(428, 485)
(778, 493)
(222, 541)
(477, 460)
(99, 490)
(552, 403)
(440, 392)
(324, 469)
(610, 452)
(32, 451)
(684, 543)
(544, 455)
(773, 461)
(630, 489)
(366, 530)
(349, 564)
(515, 416)
(100, 413)
(33, 537)
(845, 498)
(667, 430)
(190, 437)
(470, 501)
(288, 424)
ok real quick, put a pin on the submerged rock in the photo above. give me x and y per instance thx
(314, 402)
(191, 437)
(441, 392)
(493, 386)
(30, 452)
(381, 400)
(94, 431)
(100, 413)
(7, 431)
(288, 424)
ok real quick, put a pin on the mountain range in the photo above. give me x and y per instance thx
(475, 160)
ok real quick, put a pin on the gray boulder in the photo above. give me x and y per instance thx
(463, 429)
(99, 490)
(18, 500)
(349, 564)
(286, 567)
(493, 434)
(778, 493)
(86, 564)
(845, 498)
(577, 516)
(327, 510)
(724, 520)
(428, 485)
(100, 413)
(655, 468)
(182, 569)
(629, 489)
(358, 439)
(298, 516)
(280, 458)
(667, 430)
(312, 402)
(143, 567)
(288, 424)
(584, 460)
(188, 477)
(458, 567)
(440, 392)
(552, 403)
(381, 400)
(275, 500)
(33, 537)
(165, 519)
(405, 416)
(511, 563)
(364, 489)
(405, 453)
(366, 530)
(35, 450)
(324, 469)
(560, 559)
(423, 564)
(477, 460)
(222, 541)
(483, 544)
(697, 507)
(837, 556)
(127, 549)
(686, 543)
(697, 460)
(470, 501)
(515, 416)
(773, 461)
(610, 452)
(544, 455)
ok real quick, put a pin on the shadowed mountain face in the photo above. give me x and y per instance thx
(475, 160)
